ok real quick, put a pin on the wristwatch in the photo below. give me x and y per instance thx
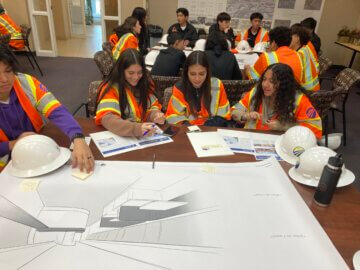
(77, 135)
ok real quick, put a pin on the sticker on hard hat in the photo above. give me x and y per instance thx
(298, 150)
(311, 112)
(43, 87)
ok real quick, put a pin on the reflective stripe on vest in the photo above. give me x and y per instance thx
(10, 28)
(262, 34)
(309, 82)
(4, 159)
(271, 58)
(118, 48)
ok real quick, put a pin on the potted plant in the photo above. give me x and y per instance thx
(352, 36)
(343, 35)
(357, 38)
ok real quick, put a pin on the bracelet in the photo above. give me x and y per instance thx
(77, 136)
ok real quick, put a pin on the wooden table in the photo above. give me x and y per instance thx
(341, 221)
(354, 48)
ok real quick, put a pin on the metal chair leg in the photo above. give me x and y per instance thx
(27, 56)
(333, 117)
(326, 131)
(87, 110)
(344, 125)
(36, 63)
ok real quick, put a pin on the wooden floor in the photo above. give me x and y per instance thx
(82, 47)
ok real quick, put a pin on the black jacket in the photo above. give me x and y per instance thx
(223, 66)
(144, 40)
(229, 35)
(189, 33)
(168, 62)
(316, 41)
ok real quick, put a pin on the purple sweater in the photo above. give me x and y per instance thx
(14, 121)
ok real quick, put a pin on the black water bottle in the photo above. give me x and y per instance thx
(328, 181)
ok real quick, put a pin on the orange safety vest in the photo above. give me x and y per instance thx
(313, 51)
(113, 39)
(126, 41)
(110, 104)
(305, 113)
(35, 100)
(8, 26)
(262, 36)
(283, 55)
(310, 80)
(179, 110)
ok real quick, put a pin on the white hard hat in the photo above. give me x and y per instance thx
(243, 46)
(294, 142)
(35, 155)
(163, 39)
(200, 45)
(311, 163)
(260, 47)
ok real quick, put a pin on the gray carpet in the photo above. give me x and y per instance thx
(68, 78)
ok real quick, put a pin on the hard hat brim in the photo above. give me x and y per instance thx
(346, 178)
(63, 157)
(282, 154)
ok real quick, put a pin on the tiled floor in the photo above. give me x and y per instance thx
(82, 47)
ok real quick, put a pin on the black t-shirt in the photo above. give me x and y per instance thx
(251, 37)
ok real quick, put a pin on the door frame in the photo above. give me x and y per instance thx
(110, 18)
(48, 13)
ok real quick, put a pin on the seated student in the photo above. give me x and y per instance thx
(144, 38)
(223, 64)
(256, 33)
(183, 27)
(170, 60)
(280, 40)
(300, 38)
(277, 103)
(126, 104)
(223, 25)
(198, 99)
(8, 26)
(310, 24)
(24, 103)
(127, 36)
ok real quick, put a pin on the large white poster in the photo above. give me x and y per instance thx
(276, 12)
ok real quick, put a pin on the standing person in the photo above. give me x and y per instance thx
(183, 27)
(127, 33)
(170, 60)
(256, 33)
(198, 99)
(280, 40)
(126, 103)
(310, 24)
(277, 104)
(24, 103)
(223, 25)
(223, 64)
(299, 41)
(8, 26)
(144, 38)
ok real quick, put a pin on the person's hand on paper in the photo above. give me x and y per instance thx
(82, 156)
(148, 129)
(159, 118)
(274, 124)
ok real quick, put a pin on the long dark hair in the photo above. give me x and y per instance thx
(117, 78)
(140, 14)
(287, 87)
(189, 91)
(126, 27)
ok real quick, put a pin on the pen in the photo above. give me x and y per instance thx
(147, 131)
(153, 163)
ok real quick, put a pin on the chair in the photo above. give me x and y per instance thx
(90, 105)
(104, 61)
(322, 100)
(346, 79)
(236, 88)
(324, 64)
(25, 31)
(107, 46)
(161, 83)
(167, 95)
